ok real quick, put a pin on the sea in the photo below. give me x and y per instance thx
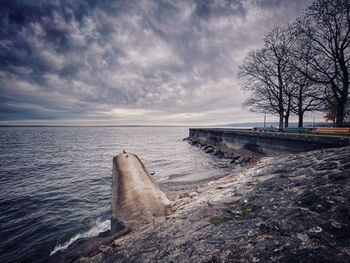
(55, 182)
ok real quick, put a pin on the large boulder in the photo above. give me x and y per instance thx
(136, 198)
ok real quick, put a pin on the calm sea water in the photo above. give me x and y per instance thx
(55, 182)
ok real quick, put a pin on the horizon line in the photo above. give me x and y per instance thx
(148, 125)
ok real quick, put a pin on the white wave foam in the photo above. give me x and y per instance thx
(99, 227)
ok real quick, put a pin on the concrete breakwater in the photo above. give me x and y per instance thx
(136, 199)
(264, 143)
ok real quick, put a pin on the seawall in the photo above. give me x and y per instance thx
(265, 143)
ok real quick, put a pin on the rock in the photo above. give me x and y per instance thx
(234, 159)
(326, 166)
(184, 195)
(193, 194)
(243, 160)
(338, 176)
(250, 233)
(239, 160)
(316, 229)
(178, 205)
(255, 259)
(303, 237)
(219, 153)
(336, 224)
(193, 143)
(105, 249)
(97, 258)
(118, 242)
(188, 194)
(345, 167)
(206, 146)
(209, 149)
(313, 201)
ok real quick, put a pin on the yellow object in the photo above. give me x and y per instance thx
(331, 130)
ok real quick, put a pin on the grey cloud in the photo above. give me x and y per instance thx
(88, 59)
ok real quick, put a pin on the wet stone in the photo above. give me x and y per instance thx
(209, 150)
(326, 166)
(345, 167)
(219, 153)
(338, 176)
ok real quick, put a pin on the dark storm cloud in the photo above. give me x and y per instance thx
(208, 8)
(127, 61)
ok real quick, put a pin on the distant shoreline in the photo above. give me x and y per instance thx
(99, 126)
(230, 125)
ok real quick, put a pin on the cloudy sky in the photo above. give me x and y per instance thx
(130, 62)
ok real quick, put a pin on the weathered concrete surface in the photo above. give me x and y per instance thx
(290, 209)
(265, 143)
(135, 197)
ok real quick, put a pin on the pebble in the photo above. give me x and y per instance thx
(193, 194)
(336, 224)
(118, 242)
(105, 249)
(316, 229)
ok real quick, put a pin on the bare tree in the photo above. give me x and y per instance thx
(266, 74)
(288, 93)
(304, 99)
(326, 24)
(306, 94)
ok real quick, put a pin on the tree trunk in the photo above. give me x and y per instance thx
(280, 127)
(280, 96)
(339, 119)
(300, 119)
(340, 114)
(286, 120)
(300, 109)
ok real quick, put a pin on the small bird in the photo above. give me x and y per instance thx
(124, 152)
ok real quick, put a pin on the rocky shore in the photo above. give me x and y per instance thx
(293, 208)
(235, 157)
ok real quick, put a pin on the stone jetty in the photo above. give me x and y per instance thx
(136, 198)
